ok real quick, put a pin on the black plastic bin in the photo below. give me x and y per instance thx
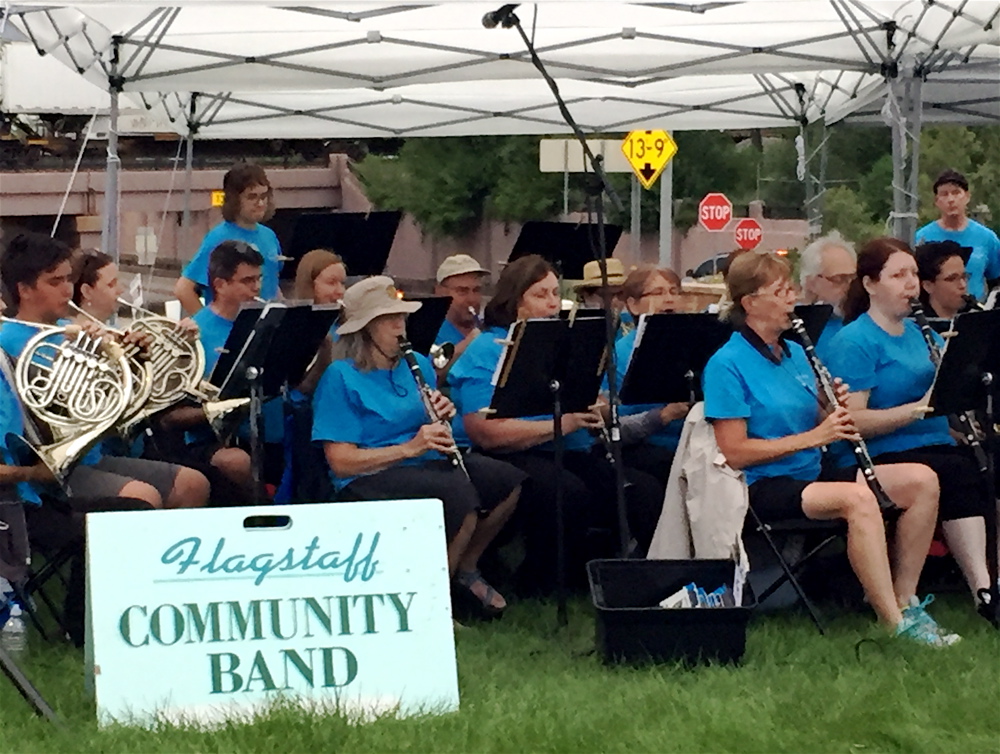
(631, 626)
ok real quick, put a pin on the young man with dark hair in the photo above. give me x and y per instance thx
(249, 201)
(951, 196)
(36, 273)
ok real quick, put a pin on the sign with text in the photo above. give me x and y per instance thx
(748, 233)
(203, 615)
(715, 211)
(648, 152)
(218, 198)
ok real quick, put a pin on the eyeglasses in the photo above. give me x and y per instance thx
(257, 198)
(956, 277)
(842, 279)
(659, 293)
(782, 291)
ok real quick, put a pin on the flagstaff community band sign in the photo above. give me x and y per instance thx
(199, 615)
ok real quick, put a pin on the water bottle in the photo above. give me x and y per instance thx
(14, 632)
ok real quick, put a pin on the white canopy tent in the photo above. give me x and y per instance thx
(373, 69)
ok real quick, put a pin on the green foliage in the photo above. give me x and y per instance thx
(779, 186)
(846, 211)
(528, 687)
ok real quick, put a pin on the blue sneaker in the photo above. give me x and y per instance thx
(917, 624)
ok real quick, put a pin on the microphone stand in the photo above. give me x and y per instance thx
(598, 186)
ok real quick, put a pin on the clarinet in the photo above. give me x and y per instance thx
(964, 421)
(861, 456)
(406, 351)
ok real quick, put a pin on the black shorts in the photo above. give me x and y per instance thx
(780, 497)
(963, 486)
(490, 483)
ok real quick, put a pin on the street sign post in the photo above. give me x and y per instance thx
(748, 233)
(715, 211)
(648, 152)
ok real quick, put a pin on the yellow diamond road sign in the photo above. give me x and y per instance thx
(218, 198)
(648, 152)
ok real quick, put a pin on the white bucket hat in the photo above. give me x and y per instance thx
(371, 298)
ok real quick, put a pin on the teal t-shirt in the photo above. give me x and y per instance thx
(374, 409)
(261, 238)
(777, 399)
(895, 369)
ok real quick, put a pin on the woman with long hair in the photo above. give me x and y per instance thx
(762, 398)
(528, 289)
(881, 353)
(381, 444)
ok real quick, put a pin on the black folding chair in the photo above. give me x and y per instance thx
(827, 532)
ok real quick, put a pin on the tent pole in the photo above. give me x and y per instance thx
(669, 256)
(915, 100)
(109, 229)
(635, 230)
(188, 173)
(898, 159)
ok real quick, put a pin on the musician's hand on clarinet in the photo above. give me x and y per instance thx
(434, 436)
(443, 406)
(842, 390)
(602, 408)
(582, 420)
(673, 412)
(838, 425)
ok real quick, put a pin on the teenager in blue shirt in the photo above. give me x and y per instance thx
(650, 434)
(883, 356)
(526, 289)
(249, 201)
(944, 283)
(951, 197)
(762, 398)
(381, 444)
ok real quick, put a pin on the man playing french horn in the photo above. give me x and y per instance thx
(36, 275)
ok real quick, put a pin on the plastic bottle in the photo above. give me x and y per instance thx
(14, 632)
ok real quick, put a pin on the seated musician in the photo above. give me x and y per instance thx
(882, 354)
(319, 277)
(528, 288)
(650, 434)
(761, 396)
(381, 444)
(826, 268)
(944, 283)
(461, 277)
(36, 273)
(590, 291)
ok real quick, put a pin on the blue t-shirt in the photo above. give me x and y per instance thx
(983, 264)
(14, 336)
(375, 409)
(261, 238)
(833, 326)
(471, 381)
(668, 436)
(213, 330)
(12, 422)
(448, 334)
(775, 399)
(895, 369)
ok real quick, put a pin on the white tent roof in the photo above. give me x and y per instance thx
(327, 45)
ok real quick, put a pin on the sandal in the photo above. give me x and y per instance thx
(466, 579)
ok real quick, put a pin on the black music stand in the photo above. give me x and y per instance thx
(422, 326)
(551, 367)
(362, 239)
(966, 381)
(566, 246)
(670, 353)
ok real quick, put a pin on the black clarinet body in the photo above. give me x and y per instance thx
(964, 421)
(406, 351)
(860, 449)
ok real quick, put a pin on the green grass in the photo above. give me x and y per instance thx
(526, 687)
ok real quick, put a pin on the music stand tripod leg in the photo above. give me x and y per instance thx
(557, 440)
(24, 687)
(991, 609)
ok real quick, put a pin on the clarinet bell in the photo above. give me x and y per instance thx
(442, 354)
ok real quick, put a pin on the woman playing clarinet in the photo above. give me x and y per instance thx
(882, 353)
(762, 397)
(382, 444)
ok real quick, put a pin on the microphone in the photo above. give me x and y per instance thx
(499, 16)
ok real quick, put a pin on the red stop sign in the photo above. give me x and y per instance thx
(715, 211)
(748, 233)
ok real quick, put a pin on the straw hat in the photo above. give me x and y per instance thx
(459, 264)
(371, 298)
(592, 274)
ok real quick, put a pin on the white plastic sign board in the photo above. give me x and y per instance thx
(203, 615)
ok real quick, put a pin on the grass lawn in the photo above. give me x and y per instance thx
(526, 687)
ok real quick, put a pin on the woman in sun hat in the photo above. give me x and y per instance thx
(381, 444)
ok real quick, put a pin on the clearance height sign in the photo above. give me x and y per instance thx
(200, 615)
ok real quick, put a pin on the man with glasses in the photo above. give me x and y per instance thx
(827, 267)
(249, 201)
(951, 197)
(461, 277)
